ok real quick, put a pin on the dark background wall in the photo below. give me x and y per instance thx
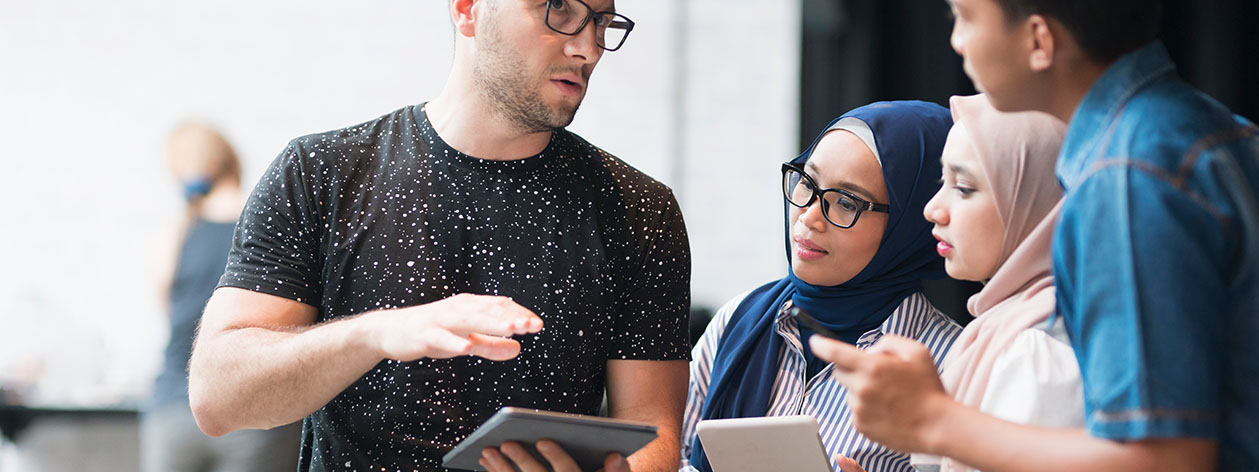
(858, 51)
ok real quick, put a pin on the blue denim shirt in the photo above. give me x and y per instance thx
(1157, 260)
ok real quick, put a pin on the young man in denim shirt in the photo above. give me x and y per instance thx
(1156, 256)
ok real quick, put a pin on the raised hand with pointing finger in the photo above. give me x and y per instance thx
(894, 391)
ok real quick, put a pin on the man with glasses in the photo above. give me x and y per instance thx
(394, 283)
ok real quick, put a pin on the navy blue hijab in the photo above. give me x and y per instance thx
(909, 136)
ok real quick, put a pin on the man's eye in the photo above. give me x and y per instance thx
(557, 4)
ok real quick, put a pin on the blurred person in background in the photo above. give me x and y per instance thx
(188, 268)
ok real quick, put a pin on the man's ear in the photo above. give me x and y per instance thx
(464, 15)
(1041, 57)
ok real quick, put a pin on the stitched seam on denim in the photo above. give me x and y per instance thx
(1202, 145)
(1161, 174)
(1146, 415)
(1208, 142)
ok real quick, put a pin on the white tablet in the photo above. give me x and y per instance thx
(765, 443)
(588, 439)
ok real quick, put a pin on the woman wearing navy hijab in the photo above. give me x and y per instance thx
(858, 249)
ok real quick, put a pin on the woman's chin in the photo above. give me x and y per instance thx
(803, 270)
(957, 272)
(815, 274)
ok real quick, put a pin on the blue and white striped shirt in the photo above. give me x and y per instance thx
(821, 397)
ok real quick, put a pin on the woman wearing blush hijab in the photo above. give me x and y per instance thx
(994, 217)
(859, 250)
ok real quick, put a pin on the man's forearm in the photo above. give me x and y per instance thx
(655, 392)
(662, 454)
(257, 378)
(994, 445)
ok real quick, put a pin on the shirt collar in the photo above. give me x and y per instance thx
(908, 321)
(1098, 112)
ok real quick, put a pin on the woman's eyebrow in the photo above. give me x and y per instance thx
(959, 169)
(844, 184)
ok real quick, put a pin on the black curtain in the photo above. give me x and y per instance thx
(859, 51)
(1214, 45)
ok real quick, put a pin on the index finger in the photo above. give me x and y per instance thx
(845, 356)
(559, 459)
(846, 464)
(523, 459)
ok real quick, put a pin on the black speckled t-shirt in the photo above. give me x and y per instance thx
(385, 214)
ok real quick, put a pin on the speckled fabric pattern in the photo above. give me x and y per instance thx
(385, 214)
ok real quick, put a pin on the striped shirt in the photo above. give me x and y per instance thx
(821, 397)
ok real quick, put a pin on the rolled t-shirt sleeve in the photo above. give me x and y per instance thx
(274, 250)
(1136, 263)
(653, 321)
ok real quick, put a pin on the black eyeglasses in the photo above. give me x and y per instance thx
(840, 207)
(570, 16)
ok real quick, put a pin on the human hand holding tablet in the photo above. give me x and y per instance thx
(588, 440)
(515, 457)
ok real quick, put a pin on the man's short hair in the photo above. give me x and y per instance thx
(1104, 29)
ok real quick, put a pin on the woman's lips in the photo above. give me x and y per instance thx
(807, 251)
(943, 247)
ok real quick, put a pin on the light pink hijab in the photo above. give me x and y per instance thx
(1017, 152)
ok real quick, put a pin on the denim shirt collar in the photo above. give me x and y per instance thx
(1097, 113)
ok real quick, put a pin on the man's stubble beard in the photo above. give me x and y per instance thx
(501, 77)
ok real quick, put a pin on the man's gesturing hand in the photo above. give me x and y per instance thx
(461, 325)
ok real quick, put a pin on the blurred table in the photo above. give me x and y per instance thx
(15, 418)
(58, 438)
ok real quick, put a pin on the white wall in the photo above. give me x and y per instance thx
(89, 89)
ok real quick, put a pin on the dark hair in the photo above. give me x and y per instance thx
(1105, 29)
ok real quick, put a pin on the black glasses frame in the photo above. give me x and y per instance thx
(614, 19)
(863, 205)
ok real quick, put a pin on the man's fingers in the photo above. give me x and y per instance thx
(848, 465)
(615, 462)
(499, 316)
(521, 456)
(845, 356)
(443, 344)
(494, 461)
(560, 460)
(493, 347)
